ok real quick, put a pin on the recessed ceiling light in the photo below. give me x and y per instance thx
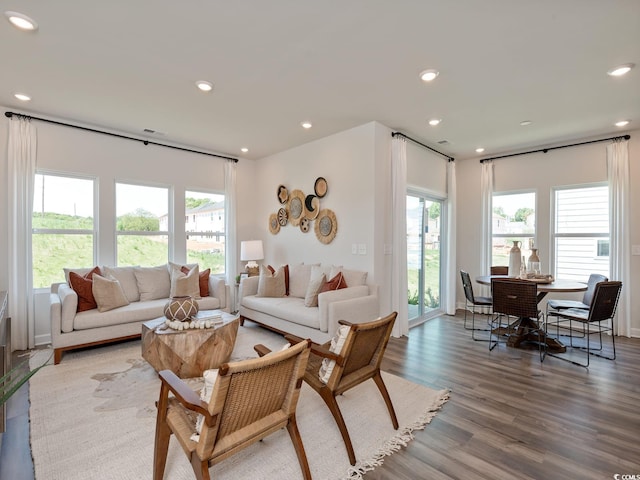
(479, 150)
(525, 123)
(620, 70)
(244, 149)
(22, 97)
(434, 121)
(21, 21)
(306, 125)
(204, 85)
(429, 75)
(622, 123)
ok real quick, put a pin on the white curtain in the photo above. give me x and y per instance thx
(450, 273)
(231, 246)
(21, 172)
(399, 285)
(486, 233)
(619, 253)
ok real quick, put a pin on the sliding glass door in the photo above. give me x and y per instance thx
(424, 222)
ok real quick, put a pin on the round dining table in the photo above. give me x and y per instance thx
(526, 329)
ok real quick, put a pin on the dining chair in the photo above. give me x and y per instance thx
(250, 400)
(598, 319)
(513, 297)
(500, 270)
(474, 303)
(587, 298)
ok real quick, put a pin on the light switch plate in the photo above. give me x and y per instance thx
(635, 249)
(354, 249)
(362, 249)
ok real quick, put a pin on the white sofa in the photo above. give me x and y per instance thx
(147, 290)
(357, 303)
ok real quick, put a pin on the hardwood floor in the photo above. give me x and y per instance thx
(509, 416)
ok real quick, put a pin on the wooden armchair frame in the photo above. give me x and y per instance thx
(250, 400)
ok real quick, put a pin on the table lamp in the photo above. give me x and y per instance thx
(250, 251)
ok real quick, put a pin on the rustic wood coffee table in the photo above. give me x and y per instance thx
(188, 353)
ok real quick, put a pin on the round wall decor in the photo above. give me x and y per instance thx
(274, 225)
(321, 187)
(283, 194)
(312, 206)
(283, 216)
(326, 226)
(296, 207)
(304, 225)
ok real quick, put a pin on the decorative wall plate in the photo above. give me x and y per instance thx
(296, 207)
(274, 225)
(321, 187)
(304, 225)
(283, 194)
(311, 206)
(326, 226)
(283, 217)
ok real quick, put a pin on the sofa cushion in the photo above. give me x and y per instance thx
(337, 342)
(185, 284)
(153, 282)
(289, 308)
(299, 277)
(318, 279)
(203, 280)
(127, 279)
(271, 284)
(134, 312)
(336, 283)
(83, 286)
(108, 293)
(80, 271)
(353, 278)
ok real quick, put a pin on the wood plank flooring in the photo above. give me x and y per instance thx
(509, 416)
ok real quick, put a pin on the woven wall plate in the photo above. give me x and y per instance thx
(304, 225)
(274, 225)
(311, 207)
(326, 226)
(321, 187)
(283, 216)
(283, 194)
(296, 207)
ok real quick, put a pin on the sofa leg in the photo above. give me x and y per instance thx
(241, 321)
(57, 356)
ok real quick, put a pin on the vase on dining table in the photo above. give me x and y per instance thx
(515, 261)
(533, 263)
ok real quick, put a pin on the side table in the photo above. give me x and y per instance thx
(188, 353)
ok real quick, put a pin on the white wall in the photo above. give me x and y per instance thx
(542, 172)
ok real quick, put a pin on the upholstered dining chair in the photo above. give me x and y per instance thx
(587, 298)
(351, 358)
(250, 399)
(598, 319)
(517, 299)
(473, 303)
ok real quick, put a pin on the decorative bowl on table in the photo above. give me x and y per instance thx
(181, 308)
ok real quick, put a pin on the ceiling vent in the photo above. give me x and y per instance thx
(150, 131)
(443, 142)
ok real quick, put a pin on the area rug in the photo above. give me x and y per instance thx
(93, 417)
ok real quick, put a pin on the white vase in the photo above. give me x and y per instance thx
(514, 259)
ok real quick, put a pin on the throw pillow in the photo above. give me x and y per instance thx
(185, 285)
(203, 281)
(299, 277)
(153, 282)
(311, 296)
(83, 286)
(210, 377)
(336, 283)
(337, 342)
(127, 280)
(80, 271)
(271, 284)
(108, 293)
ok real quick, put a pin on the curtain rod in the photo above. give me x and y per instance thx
(400, 134)
(146, 142)
(545, 150)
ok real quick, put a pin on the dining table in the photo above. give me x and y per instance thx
(526, 329)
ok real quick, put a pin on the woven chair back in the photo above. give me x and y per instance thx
(468, 288)
(605, 301)
(518, 298)
(368, 344)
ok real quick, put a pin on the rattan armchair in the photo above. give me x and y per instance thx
(250, 400)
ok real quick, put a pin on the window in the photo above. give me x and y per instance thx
(581, 232)
(205, 231)
(63, 232)
(514, 219)
(142, 225)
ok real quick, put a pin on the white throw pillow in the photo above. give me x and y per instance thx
(315, 284)
(108, 293)
(185, 285)
(153, 282)
(271, 284)
(337, 342)
(299, 277)
(210, 377)
(127, 280)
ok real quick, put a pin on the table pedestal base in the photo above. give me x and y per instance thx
(526, 330)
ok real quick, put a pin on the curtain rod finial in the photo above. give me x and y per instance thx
(8, 114)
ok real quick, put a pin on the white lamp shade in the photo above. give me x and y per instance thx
(251, 250)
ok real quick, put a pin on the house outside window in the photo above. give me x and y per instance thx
(63, 226)
(206, 238)
(514, 219)
(140, 239)
(581, 231)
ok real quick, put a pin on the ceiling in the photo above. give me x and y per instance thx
(129, 66)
